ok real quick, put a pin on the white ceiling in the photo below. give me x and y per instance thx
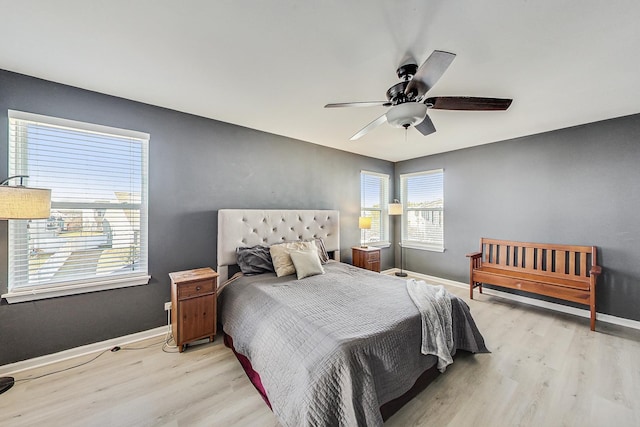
(273, 65)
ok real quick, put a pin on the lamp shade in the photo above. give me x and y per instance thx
(24, 202)
(364, 222)
(395, 208)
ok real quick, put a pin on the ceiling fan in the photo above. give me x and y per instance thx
(409, 103)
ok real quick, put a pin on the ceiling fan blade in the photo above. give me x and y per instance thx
(359, 104)
(468, 103)
(374, 124)
(429, 73)
(426, 126)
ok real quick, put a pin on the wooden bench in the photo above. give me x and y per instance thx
(566, 272)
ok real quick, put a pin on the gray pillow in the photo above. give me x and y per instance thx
(254, 260)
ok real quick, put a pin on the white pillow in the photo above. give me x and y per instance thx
(307, 263)
(282, 263)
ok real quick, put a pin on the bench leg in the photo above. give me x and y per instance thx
(473, 285)
(592, 304)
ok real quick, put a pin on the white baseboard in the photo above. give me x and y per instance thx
(36, 362)
(621, 321)
(48, 359)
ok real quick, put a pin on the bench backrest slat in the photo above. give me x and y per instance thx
(572, 261)
(540, 260)
(502, 254)
(560, 258)
(529, 258)
(569, 261)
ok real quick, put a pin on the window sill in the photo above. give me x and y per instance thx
(420, 247)
(32, 294)
(381, 245)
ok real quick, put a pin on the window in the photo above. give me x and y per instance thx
(423, 217)
(96, 236)
(374, 201)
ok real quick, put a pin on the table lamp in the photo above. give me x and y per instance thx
(364, 223)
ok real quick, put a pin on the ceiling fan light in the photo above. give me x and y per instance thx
(407, 114)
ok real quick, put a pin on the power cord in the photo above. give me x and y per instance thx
(63, 370)
(137, 348)
(170, 348)
(166, 347)
(113, 350)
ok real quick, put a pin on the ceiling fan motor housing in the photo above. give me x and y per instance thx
(396, 95)
(406, 71)
(407, 114)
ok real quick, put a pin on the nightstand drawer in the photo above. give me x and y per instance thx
(188, 290)
(367, 257)
(373, 256)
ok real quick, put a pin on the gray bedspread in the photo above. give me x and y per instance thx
(331, 349)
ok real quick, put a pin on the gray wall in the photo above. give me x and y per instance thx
(576, 185)
(573, 186)
(197, 166)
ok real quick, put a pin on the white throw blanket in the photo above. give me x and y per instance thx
(434, 305)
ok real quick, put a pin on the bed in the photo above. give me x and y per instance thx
(339, 348)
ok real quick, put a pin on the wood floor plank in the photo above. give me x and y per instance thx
(545, 369)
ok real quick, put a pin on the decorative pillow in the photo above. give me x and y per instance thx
(254, 260)
(307, 263)
(322, 250)
(280, 255)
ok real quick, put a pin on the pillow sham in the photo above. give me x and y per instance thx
(282, 263)
(254, 260)
(322, 250)
(307, 263)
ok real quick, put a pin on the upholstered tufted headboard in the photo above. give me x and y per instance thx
(250, 227)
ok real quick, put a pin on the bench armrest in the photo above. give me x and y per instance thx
(595, 270)
(474, 255)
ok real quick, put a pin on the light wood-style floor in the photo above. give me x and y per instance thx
(545, 369)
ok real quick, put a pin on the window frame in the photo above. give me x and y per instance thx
(18, 228)
(383, 209)
(420, 244)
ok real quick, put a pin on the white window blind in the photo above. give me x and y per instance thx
(374, 201)
(423, 202)
(96, 236)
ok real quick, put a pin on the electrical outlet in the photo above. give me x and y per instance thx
(167, 306)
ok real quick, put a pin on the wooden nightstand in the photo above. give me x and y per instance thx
(368, 258)
(193, 305)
